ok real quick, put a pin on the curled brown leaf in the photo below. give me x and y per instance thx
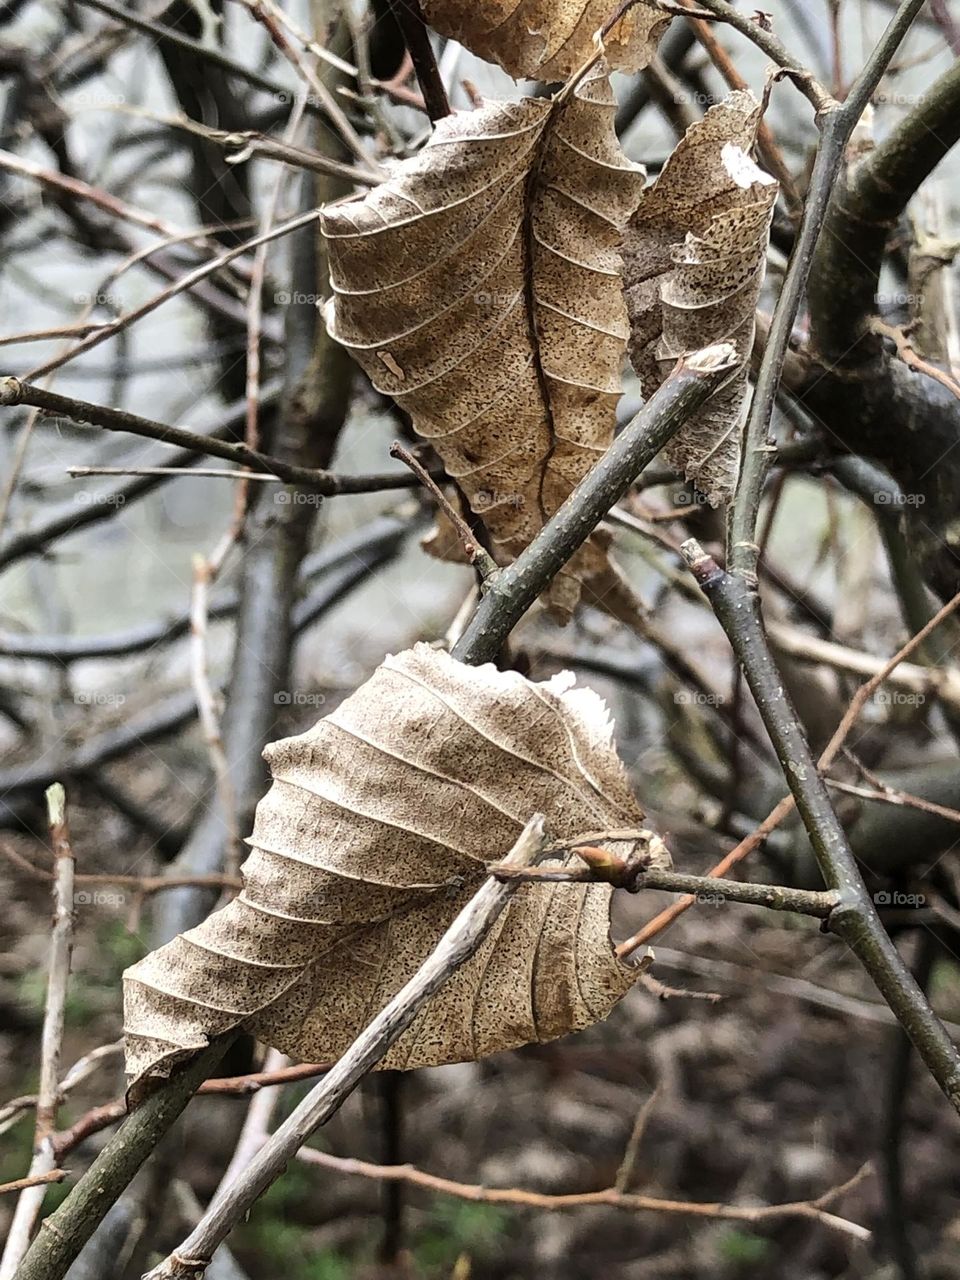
(694, 259)
(378, 827)
(481, 288)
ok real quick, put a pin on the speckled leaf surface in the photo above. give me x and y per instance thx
(375, 833)
(694, 259)
(548, 39)
(481, 288)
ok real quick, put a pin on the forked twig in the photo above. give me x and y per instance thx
(44, 1162)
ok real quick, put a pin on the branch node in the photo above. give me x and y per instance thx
(11, 392)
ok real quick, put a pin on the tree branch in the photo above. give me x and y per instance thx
(15, 392)
(610, 1196)
(416, 36)
(64, 1233)
(515, 588)
(837, 122)
(855, 919)
(864, 209)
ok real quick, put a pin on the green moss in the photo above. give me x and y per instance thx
(79, 1007)
(456, 1227)
(119, 947)
(743, 1248)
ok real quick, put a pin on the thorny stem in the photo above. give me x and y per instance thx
(854, 919)
(837, 122)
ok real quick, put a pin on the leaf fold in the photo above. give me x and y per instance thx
(694, 260)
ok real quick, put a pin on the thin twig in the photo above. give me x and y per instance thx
(205, 473)
(14, 392)
(256, 1124)
(215, 56)
(110, 1113)
(632, 1149)
(11, 1111)
(145, 885)
(33, 1180)
(204, 572)
(610, 1197)
(416, 36)
(262, 11)
(703, 888)
(936, 682)
(891, 795)
(181, 285)
(787, 805)
(44, 1160)
(768, 42)
(478, 555)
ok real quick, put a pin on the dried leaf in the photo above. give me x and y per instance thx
(549, 39)
(694, 259)
(377, 829)
(481, 288)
